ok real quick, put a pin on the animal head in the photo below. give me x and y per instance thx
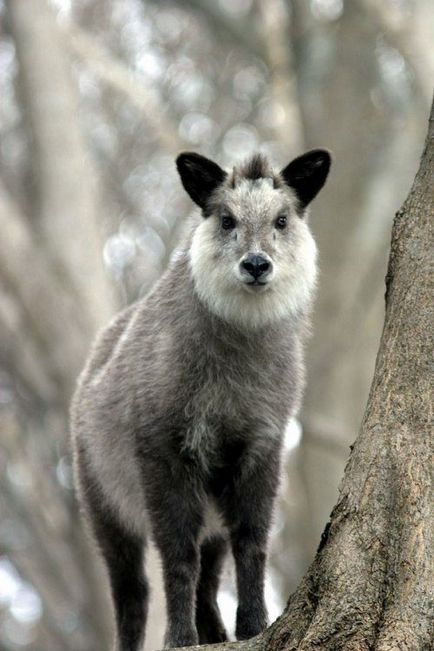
(252, 257)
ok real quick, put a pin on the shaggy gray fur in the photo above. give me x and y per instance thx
(177, 425)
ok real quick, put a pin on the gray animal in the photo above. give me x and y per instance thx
(178, 418)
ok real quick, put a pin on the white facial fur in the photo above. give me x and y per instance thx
(215, 256)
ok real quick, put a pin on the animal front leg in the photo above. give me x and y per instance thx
(249, 549)
(180, 571)
(176, 509)
(248, 513)
(209, 624)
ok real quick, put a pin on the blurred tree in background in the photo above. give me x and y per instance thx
(97, 96)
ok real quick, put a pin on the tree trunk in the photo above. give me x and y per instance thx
(349, 310)
(66, 204)
(370, 585)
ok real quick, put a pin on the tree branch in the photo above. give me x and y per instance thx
(115, 74)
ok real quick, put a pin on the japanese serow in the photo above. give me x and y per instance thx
(179, 414)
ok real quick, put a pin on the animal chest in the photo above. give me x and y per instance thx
(228, 408)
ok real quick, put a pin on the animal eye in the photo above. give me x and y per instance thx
(228, 222)
(281, 222)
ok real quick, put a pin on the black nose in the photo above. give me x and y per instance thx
(255, 265)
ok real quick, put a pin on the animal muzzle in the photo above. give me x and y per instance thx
(255, 267)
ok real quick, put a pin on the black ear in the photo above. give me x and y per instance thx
(199, 176)
(307, 174)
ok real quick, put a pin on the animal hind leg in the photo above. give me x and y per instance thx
(123, 553)
(208, 620)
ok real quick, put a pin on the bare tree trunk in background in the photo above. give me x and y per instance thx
(370, 585)
(41, 294)
(66, 188)
(275, 23)
(49, 314)
(54, 295)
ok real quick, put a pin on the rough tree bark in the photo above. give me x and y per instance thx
(371, 583)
